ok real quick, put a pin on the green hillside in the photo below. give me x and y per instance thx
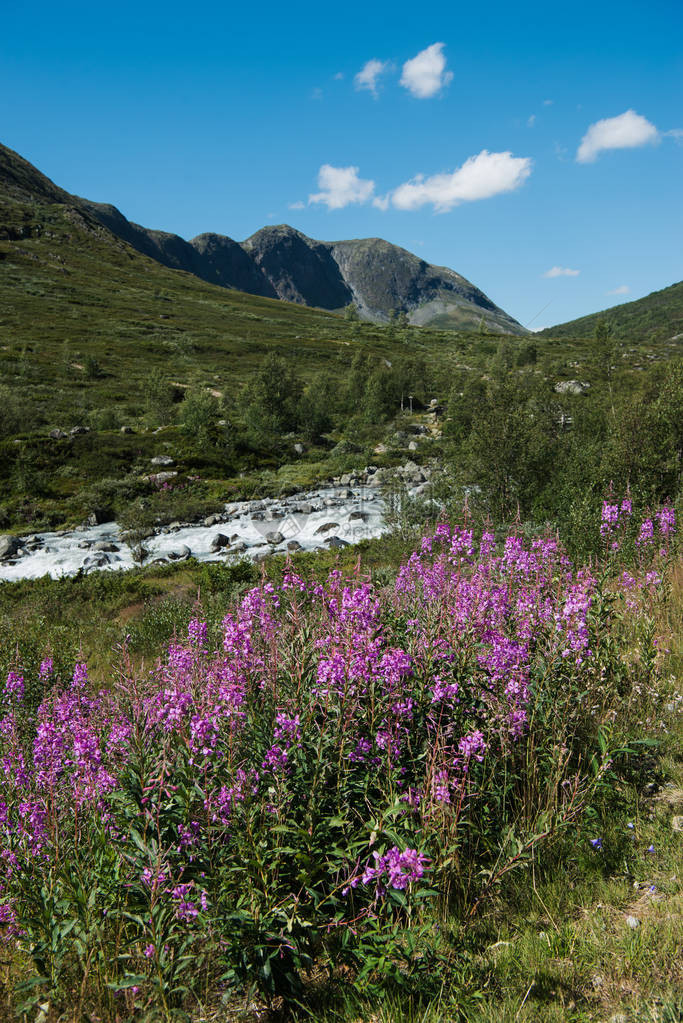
(109, 359)
(657, 317)
(89, 328)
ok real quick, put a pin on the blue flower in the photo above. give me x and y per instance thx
(596, 843)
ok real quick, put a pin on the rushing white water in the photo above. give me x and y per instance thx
(332, 516)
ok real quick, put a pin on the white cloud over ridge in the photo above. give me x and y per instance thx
(368, 75)
(480, 177)
(621, 290)
(340, 187)
(561, 271)
(627, 131)
(425, 75)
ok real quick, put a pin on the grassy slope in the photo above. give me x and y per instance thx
(657, 317)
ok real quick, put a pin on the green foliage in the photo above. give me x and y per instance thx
(658, 316)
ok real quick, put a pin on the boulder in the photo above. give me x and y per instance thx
(182, 554)
(9, 546)
(57, 434)
(219, 541)
(239, 548)
(571, 387)
(77, 431)
(126, 429)
(274, 538)
(161, 477)
(336, 543)
(161, 460)
(105, 545)
(299, 449)
(294, 545)
(97, 517)
(326, 527)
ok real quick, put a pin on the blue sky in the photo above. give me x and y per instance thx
(536, 149)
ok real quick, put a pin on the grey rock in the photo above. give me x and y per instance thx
(212, 520)
(162, 477)
(105, 545)
(126, 429)
(9, 546)
(240, 547)
(219, 541)
(336, 543)
(326, 527)
(571, 387)
(299, 448)
(57, 434)
(294, 545)
(358, 515)
(161, 460)
(274, 538)
(182, 554)
(78, 431)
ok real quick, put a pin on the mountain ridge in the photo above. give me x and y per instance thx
(657, 316)
(379, 278)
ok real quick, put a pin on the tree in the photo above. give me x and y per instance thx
(160, 396)
(271, 401)
(198, 416)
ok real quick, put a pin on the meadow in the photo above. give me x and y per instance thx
(443, 790)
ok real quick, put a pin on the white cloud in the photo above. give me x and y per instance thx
(561, 271)
(626, 131)
(297, 205)
(480, 177)
(425, 75)
(531, 121)
(622, 290)
(368, 75)
(339, 77)
(547, 103)
(341, 186)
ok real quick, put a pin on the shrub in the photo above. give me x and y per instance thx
(343, 756)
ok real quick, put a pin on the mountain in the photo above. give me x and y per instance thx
(379, 278)
(657, 317)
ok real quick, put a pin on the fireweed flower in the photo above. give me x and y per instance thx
(646, 534)
(14, 686)
(666, 520)
(46, 668)
(398, 869)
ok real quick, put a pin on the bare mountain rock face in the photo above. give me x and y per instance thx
(299, 268)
